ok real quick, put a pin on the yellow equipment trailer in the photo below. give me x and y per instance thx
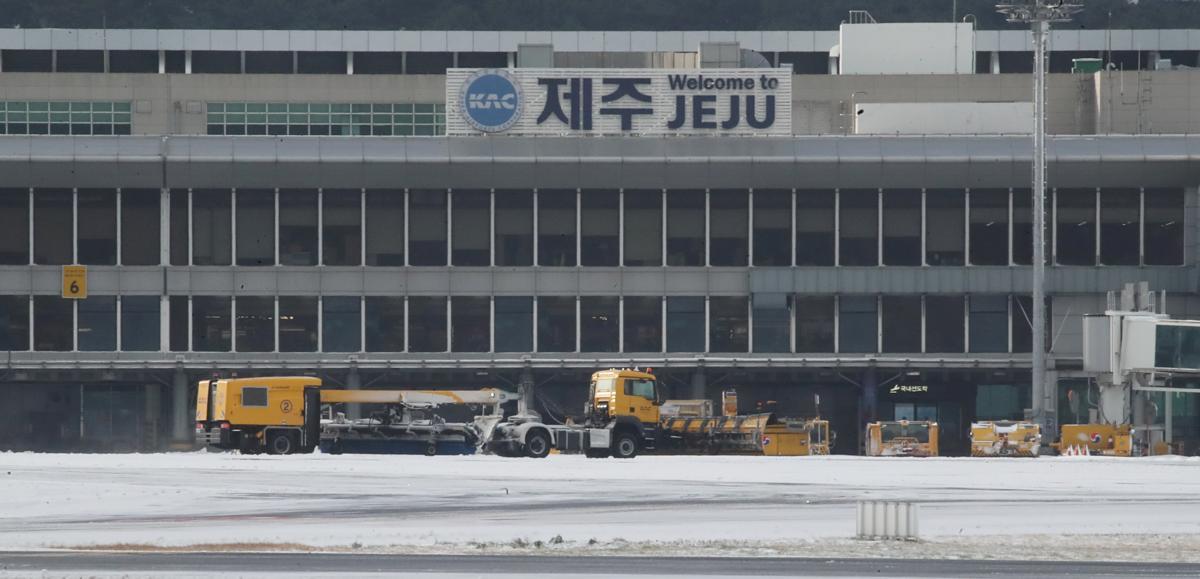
(283, 415)
(902, 438)
(1098, 439)
(1005, 438)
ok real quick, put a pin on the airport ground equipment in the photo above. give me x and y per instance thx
(1097, 439)
(1005, 438)
(624, 417)
(290, 414)
(902, 438)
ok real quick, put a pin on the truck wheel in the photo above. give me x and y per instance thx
(625, 446)
(280, 443)
(537, 444)
(431, 449)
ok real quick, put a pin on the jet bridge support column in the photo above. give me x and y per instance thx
(526, 393)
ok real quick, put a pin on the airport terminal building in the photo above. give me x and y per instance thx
(822, 221)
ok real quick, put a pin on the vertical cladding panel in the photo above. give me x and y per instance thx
(329, 40)
(669, 41)
(461, 41)
(486, 41)
(223, 39)
(302, 40)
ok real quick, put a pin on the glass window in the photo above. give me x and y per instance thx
(944, 323)
(427, 324)
(772, 229)
(1022, 323)
(599, 324)
(385, 323)
(140, 323)
(901, 323)
(98, 324)
(643, 228)
(14, 227)
(53, 323)
(945, 228)
(771, 315)
(989, 323)
(729, 324)
(1075, 226)
(14, 323)
(901, 227)
(255, 396)
(729, 224)
(643, 324)
(341, 222)
(178, 323)
(298, 227)
(255, 228)
(472, 227)
(341, 323)
(268, 62)
(641, 388)
(97, 226)
(556, 324)
(600, 227)
(211, 225)
(514, 228)
(1120, 224)
(1022, 228)
(427, 238)
(179, 227)
(514, 324)
(211, 330)
(685, 228)
(815, 219)
(989, 227)
(297, 324)
(470, 324)
(814, 323)
(858, 324)
(685, 324)
(1164, 226)
(53, 216)
(859, 222)
(556, 227)
(140, 231)
(255, 324)
(385, 227)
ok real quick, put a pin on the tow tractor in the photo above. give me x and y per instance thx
(624, 417)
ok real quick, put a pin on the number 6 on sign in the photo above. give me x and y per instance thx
(74, 282)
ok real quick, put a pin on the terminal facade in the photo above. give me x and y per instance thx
(265, 202)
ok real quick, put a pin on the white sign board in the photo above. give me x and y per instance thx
(619, 102)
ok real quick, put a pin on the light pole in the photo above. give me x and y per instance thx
(1039, 14)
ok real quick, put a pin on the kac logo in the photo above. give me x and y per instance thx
(490, 100)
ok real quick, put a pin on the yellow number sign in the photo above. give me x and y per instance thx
(74, 282)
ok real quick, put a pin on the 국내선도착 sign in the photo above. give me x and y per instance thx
(614, 102)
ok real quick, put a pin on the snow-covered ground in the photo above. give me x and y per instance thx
(1111, 508)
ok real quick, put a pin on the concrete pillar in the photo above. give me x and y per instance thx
(151, 417)
(180, 419)
(187, 62)
(1049, 405)
(833, 65)
(349, 62)
(870, 395)
(353, 382)
(698, 388)
(162, 62)
(994, 60)
(526, 392)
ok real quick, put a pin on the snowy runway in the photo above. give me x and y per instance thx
(450, 504)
